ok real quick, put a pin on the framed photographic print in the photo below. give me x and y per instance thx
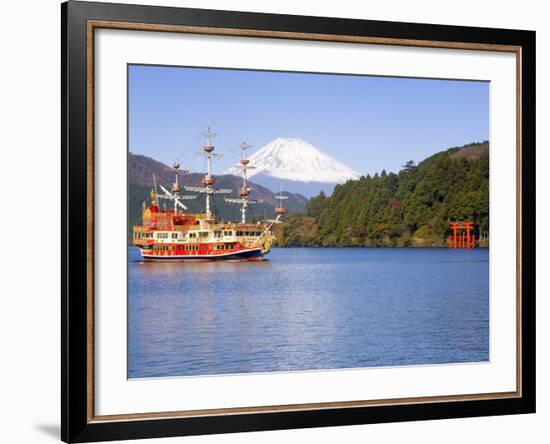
(276, 221)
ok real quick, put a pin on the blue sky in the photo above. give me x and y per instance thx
(368, 123)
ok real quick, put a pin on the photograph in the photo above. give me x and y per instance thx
(302, 219)
(282, 221)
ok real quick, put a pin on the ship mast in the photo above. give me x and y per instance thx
(244, 199)
(244, 192)
(280, 210)
(208, 181)
(174, 193)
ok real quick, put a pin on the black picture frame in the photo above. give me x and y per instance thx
(76, 423)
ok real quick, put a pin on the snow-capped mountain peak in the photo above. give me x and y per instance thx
(298, 161)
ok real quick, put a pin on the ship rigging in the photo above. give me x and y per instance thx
(244, 199)
(208, 181)
(176, 235)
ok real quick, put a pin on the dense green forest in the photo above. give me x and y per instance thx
(410, 208)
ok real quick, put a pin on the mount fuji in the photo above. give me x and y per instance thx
(296, 166)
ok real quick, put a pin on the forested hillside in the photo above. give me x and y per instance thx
(410, 208)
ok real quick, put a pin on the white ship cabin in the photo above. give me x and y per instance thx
(202, 236)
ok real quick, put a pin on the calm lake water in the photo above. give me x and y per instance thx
(307, 309)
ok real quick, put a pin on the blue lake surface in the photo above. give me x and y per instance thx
(308, 308)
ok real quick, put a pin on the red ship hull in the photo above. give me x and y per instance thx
(253, 254)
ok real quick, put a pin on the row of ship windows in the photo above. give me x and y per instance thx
(175, 248)
(167, 235)
(224, 246)
(189, 247)
(249, 233)
(198, 234)
(192, 235)
(143, 235)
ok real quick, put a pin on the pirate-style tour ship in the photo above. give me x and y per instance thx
(173, 234)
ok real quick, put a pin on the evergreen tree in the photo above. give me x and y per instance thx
(408, 208)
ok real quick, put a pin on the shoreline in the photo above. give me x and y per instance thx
(374, 247)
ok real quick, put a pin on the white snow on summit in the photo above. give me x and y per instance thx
(299, 161)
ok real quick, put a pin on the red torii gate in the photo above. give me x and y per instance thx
(463, 235)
